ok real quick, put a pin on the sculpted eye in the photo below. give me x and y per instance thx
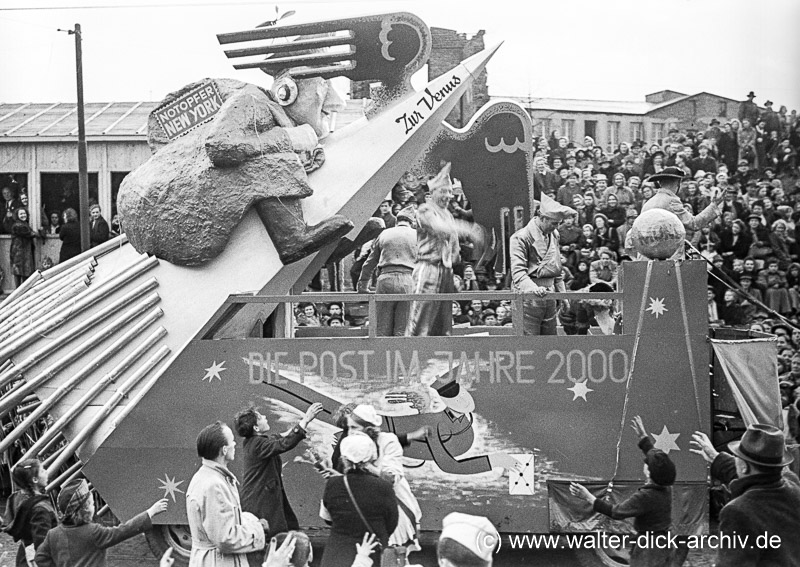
(285, 91)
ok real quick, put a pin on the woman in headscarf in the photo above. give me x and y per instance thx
(357, 502)
(80, 541)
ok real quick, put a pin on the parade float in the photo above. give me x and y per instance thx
(114, 360)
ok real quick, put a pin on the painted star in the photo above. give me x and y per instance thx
(213, 371)
(579, 390)
(169, 486)
(657, 307)
(666, 441)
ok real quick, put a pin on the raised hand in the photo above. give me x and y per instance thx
(158, 507)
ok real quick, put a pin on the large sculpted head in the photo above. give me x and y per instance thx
(307, 101)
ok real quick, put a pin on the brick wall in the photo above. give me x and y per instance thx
(696, 112)
(448, 49)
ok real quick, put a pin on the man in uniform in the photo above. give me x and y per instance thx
(536, 265)
(666, 198)
(394, 253)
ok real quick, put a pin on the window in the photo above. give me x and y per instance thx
(545, 122)
(568, 129)
(541, 128)
(116, 181)
(637, 131)
(590, 129)
(613, 135)
(60, 191)
(658, 132)
(723, 109)
(17, 185)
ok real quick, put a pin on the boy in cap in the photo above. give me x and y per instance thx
(650, 506)
(765, 497)
(536, 265)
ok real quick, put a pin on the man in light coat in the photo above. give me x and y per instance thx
(221, 533)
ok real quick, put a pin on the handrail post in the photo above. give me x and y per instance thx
(517, 316)
(372, 315)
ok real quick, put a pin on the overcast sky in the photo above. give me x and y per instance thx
(586, 49)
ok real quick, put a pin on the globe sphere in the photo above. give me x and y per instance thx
(656, 234)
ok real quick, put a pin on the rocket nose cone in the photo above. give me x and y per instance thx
(475, 63)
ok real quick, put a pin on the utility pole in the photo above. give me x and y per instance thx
(83, 173)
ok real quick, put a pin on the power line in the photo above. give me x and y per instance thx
(176, 5)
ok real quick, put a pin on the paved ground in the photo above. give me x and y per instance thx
(136, 553)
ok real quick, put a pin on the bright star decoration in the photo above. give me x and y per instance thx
(213, 371)
(579, 390)
(169, 486)
(666, 441)
(656, 306)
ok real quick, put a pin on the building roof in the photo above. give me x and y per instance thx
(58, 121)
(589, 106)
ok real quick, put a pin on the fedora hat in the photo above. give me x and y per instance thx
(751, 94)
(667, 173)
(762, 445)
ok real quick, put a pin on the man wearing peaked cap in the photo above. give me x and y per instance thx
(668, 181)
(393, 253)
(536, 265)
(765, 497)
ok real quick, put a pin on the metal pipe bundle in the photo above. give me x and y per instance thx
(35, 278)
(54, 430)
(61, 316)
(87, 370)
(63, 476)
(20, 390)
(9, 372)
(40, 291)
(109, 406)
(27, 317)
(92, 254)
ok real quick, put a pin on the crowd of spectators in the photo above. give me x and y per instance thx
(753, 247)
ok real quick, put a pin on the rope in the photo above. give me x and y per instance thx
(733, 286)
(645, 291)
(688, 341)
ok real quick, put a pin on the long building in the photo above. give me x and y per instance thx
(611, 122)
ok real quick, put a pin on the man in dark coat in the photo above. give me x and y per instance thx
(262, 491)
(749, 110)
(765, 498)
(98, 227)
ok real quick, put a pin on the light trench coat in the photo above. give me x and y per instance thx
(221, 533)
